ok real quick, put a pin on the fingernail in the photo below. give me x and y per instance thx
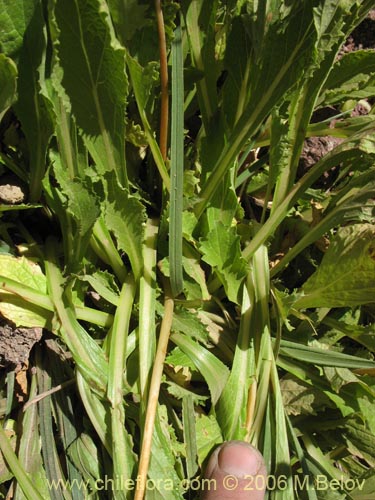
(239, 459)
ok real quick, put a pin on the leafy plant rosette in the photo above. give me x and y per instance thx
(193, 285)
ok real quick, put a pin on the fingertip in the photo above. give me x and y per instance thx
(236, 471)
(240, 459)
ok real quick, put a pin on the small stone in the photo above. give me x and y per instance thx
(11, 190)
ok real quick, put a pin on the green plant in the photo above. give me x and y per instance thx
(214, 318)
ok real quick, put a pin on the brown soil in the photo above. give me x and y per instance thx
(16, 344)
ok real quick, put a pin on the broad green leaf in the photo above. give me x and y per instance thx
(352, 77)
(193, 268)
(128, 17)
(163, 460)
(125, 217)
(8, 85)
(23, 37)
(208, 434)
(14, 19)
(94, 78)
(104, 284)
(142, 81)
(346, 275)
(202, 47)
(362, 438)
(16, 309)
(190, 438)
(76, 203)
(221, 249)
(339, 377)
(189, 323)
(224, 204)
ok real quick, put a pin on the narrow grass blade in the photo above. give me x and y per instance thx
(307, 478)
(25, 482)
(190, 439)
(177, 166)
(212, 369)
(322, 357)
(49, 451)
(281, 454)
(64, 408)
(29, 448)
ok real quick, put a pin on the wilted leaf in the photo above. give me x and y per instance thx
(300, 398)
(361, 440)
(346, 275)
